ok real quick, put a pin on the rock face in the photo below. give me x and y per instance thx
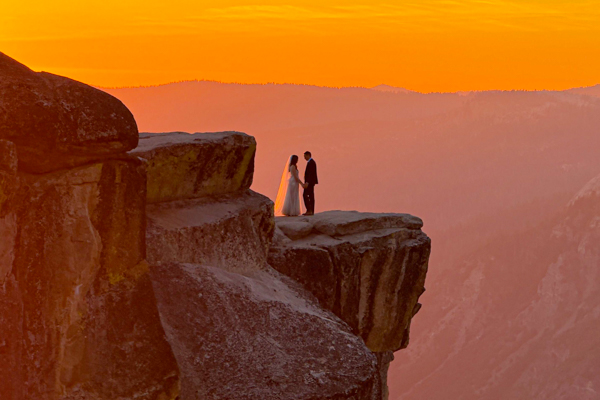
(232, 232)
(9, 185)
(60, 123)
(78, 319)
(239, 329)
(11, 304)
(146, 275)
(257, 337)
(187, 166)
(369, 269)
(80, 265)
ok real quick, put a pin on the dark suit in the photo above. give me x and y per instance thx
(310, 177)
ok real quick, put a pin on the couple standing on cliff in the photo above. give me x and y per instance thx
(288, 196)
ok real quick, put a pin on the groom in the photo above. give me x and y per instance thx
(310, 180)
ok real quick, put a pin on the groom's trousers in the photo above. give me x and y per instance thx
(309, 198)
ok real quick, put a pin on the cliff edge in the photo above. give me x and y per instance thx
(158, 274)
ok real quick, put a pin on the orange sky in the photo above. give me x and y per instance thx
(430, 45)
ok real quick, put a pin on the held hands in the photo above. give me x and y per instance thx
(304, 185)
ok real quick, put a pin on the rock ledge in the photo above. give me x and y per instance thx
(368, 268)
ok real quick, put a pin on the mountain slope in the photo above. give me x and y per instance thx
(520, 317)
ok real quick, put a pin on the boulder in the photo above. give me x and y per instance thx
(232, 231)
(59, 123)
(369, 271)
(187, 166)
(258, 336)
(91, 329)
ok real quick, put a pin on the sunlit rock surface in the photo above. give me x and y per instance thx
(369, 269)
(186, 166)
(60, 123)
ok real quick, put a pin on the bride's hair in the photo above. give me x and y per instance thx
(294, 161)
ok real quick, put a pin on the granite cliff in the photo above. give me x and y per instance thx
(150, 270)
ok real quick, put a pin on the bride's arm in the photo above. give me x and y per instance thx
(295, 174)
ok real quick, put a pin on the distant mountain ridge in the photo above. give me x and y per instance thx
(391, 89)
(588, 91)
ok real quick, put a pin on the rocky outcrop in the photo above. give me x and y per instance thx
(146, 275)
(257, 336)
(78, 319)
(59, 123)
(239, 329)
(188, 166)
(369, 269)
(211, 218)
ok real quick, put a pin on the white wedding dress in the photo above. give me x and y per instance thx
(288, 196)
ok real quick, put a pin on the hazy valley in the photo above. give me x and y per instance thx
(509, 293)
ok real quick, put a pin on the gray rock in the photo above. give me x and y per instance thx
(279, 237)
(369, 271)
(59, 123)
(294, 227)
(383, 365)
(232, 231)
(343, 223)
(186, 166)
(91, 329)
(258, 337)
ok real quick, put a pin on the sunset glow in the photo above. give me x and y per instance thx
(426, 45)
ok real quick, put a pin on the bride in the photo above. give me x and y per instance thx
(288, 196)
